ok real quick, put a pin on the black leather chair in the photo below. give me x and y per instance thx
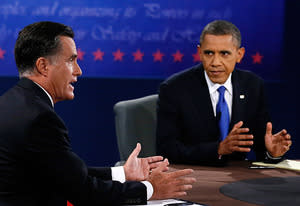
(135, 121)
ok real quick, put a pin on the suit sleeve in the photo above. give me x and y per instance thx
(258, 123)
(103, 173)
(173, 123)
(53, 166)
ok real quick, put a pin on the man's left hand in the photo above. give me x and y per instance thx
(138, 169)
(277, 144)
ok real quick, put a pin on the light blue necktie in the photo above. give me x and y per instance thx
(222, 114)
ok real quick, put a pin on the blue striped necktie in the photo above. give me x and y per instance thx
(222, 114)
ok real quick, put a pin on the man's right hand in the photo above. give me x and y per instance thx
(170, 184)
(236, 140)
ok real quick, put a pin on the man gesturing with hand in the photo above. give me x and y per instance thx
(214, 112)
(38, 165)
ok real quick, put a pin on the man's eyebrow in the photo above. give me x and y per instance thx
(207, 50)
(73, 56)
(225, 51)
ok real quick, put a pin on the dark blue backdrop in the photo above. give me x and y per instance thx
(149, 38)
(268, 35)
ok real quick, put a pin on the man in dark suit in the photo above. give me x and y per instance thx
(37, 164)
(188, 128)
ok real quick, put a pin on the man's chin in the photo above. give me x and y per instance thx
(217, 80)
(71, 97)
(68, 97)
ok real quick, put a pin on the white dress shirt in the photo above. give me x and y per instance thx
(214, 94)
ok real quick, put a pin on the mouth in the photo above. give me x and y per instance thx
(72, 83)
(216, 72)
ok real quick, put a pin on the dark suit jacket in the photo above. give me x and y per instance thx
(37, 164)
(187, 130)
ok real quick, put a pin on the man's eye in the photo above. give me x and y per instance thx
(208, 53)
(225, 53)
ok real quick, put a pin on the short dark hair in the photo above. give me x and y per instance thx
(40, 39)
(222, 27)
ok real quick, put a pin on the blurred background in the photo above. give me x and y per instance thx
(126, 48)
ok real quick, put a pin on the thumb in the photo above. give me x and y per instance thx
(269, 128)
(136, 151)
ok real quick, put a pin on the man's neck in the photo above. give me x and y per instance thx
(41, 85)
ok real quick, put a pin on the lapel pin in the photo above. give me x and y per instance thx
(242, 96)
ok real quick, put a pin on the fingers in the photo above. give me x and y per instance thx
(289, 143)
(238, 125)
(154, 159)
(235, 143)
(185, 187)
(240, 131)
(242, 137)
(179, 194)
(282, 137)
(283, 132)
(157, 164)
(172, 184)
(181, 173)
(237, 130)
(185, 180)
(239, 140)
(161, 167)
(241, 149)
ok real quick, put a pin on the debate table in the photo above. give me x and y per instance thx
(206, 190)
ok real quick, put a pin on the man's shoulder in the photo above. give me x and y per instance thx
(20, 100)
(186, 75)
(246, 75)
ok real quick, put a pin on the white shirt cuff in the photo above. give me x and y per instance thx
(118, 174)
(149, 189)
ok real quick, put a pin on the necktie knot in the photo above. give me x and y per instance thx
(221, 90)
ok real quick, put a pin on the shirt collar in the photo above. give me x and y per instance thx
(212, 87)
(46, 93)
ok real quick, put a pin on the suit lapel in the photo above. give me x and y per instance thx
(238, 101)
(201, 96)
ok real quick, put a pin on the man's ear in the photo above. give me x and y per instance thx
(199, 51)
(241, 52)
(41, 65)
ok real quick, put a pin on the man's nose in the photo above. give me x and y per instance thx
(216, 61)
(77, 71)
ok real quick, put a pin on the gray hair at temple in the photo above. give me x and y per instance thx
(222, 27)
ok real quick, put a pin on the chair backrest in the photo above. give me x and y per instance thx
(135, 121)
